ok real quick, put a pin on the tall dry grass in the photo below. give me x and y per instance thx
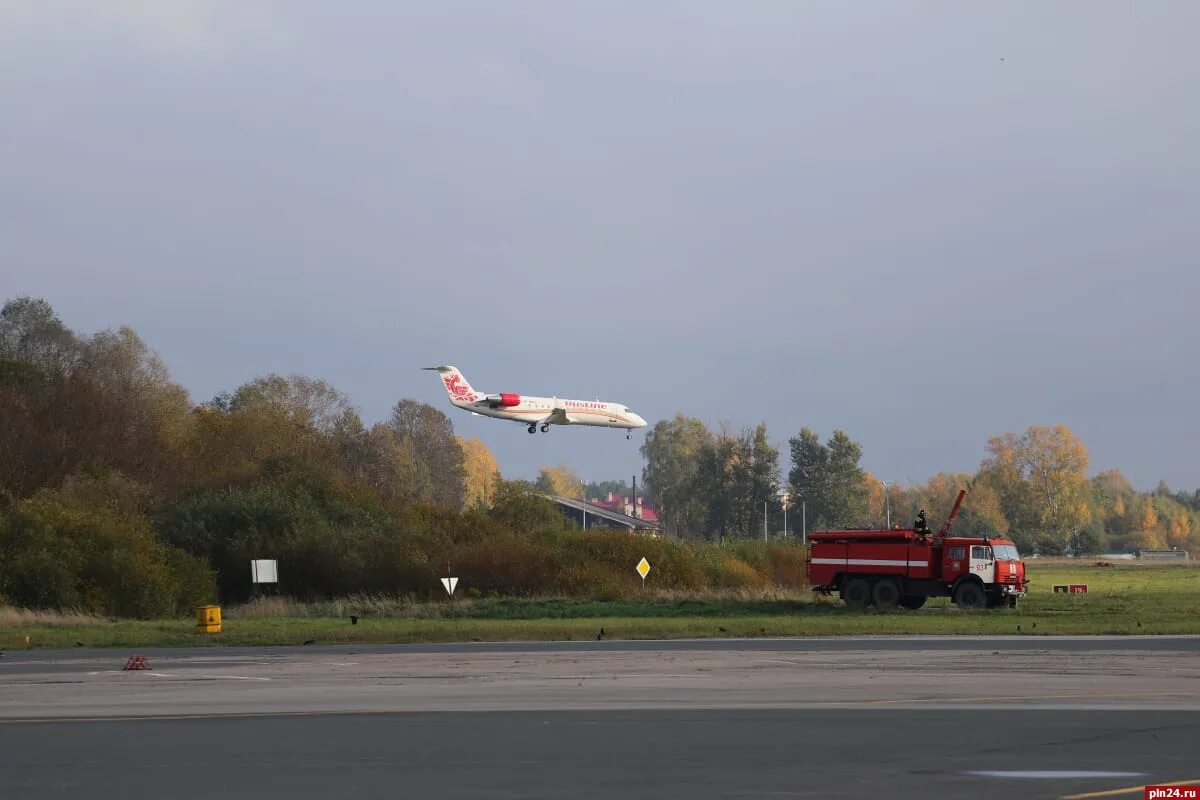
(24, 617)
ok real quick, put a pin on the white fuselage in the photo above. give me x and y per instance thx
(535, 411)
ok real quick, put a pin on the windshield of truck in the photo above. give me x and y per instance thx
(1006, 552)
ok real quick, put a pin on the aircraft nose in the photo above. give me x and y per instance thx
(641, 423)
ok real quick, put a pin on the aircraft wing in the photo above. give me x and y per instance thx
(556, 417)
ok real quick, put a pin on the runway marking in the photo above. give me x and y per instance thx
(209, 677)
(1126, 790)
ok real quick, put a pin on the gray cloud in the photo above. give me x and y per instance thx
(923, 223)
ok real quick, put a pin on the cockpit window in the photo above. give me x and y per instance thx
(1006, 552)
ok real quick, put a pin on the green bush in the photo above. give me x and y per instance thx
(58, 552)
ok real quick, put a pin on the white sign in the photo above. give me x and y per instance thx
(264, 571)
(450, 583)
(643, 569)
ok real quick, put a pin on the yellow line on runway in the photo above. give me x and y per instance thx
(1127, 790)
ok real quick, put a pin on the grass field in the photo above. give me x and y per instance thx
(1125, 599)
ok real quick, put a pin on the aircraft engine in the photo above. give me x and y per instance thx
(504, 399)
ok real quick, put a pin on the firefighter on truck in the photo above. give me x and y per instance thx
(906, 566)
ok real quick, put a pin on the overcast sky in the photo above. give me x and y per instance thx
(923, 223)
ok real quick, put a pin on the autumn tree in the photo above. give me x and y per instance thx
(70, 403)
(561, 481)
(308, 401)
(430, 434)
(980, 514)
(378, 459)
(1039, 477)
(481, 473)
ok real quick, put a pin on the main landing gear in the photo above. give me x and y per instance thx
(545, 428)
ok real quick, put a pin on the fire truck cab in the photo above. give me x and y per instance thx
(906, 566)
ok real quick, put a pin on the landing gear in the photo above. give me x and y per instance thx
(629, 436)
(533, 428)
(545, 428)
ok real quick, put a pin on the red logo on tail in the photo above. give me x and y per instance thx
(458, 388)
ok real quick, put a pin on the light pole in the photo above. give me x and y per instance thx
(887, 500)
(584, 508)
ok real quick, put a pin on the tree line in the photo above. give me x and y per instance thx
(120, 495)
(1033, 487)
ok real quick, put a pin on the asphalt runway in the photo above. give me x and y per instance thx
(917, 717)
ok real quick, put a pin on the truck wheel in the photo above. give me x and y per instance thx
(886, 593)
(969, 595)
(913, 601)
(856, 593)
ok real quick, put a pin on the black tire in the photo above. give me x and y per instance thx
(969, 594)
(533, 428)
(856, 593)
(545, 429)
(913, 601)
(886, 593)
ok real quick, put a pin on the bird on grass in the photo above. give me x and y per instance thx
(722, 630)
(600, 635)
(311, 641)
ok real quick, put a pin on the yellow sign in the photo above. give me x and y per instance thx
(643, 568)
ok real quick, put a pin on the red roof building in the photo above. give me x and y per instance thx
(626, 506)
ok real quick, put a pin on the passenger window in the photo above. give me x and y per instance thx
(957, 552)
(981, 552)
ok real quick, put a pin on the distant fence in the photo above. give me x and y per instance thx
(1180, 555)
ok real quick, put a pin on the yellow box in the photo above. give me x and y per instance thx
(208, 619)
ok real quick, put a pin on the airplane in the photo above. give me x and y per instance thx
(536, 411)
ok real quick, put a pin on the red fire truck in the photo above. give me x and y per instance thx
(905, 566)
